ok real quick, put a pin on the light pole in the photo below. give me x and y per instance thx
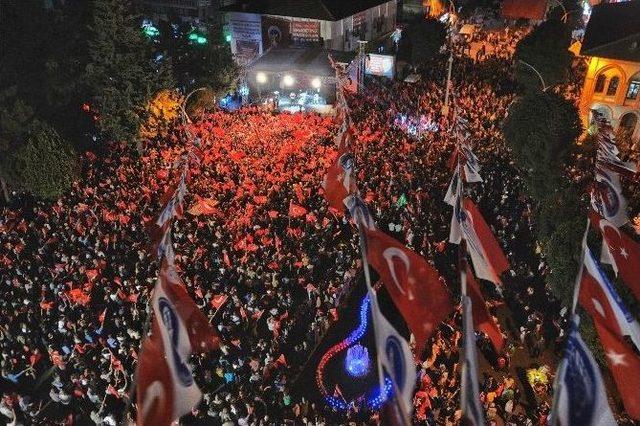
(184, 103)
(544, 85)
(445, 107)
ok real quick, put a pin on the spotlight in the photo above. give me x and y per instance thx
(261, 78)
(316, 83)
(288, 80)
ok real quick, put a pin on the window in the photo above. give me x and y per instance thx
(600, 81)
(613, 86)
(634, 88)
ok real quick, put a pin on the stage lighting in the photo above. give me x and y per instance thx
(261, 78)
(288, 80)
(316, 83)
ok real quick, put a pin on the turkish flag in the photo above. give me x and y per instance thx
(414, 285)
(494, 253)
(625, 368)
(218, 300)
(624, 253)
(599, 298)
(296, 210)
(482, 319)
(204, 206)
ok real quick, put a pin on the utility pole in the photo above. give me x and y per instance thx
(445, 107)
(361, 65)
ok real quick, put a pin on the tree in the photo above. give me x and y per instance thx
(162, 111)
(43, 164)
(422, 40)
(545, 48)
(195, 64)
(121, 74)
(541, 129)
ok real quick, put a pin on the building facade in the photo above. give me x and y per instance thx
(255, 28)
(611, 45)
(194, 11)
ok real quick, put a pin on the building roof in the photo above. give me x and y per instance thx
(613, 31)
(527, 9)
(324, 10)
(312, 61)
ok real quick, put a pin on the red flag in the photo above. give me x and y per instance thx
(79, 297)
(91, 274)
(624, 253)
(296, 211)
(218, 300)
(600, 299)
(625, 368)
(102, 316)
(486, 254)
(204, 206)
(482, 319)
(414, 285)
(281, 360)
(335, 190)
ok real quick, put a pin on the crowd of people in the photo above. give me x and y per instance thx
(268, 261)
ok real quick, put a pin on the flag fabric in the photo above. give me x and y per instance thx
(482, 319)
(624, 364)
(607, 199)
(296, 210)
(472, 412)
(218, 300)
(598, 297)
(359, 212)
(394, 360)
(204, 206)
(166, 389)
(471, 166)
(452, 190)
(174, 207)
(486, 254)
(621, 252)
(413, 284)
(580, 398)
(165, 247)
(338, 182)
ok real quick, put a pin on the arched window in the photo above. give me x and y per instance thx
(600, 81)
(634, 87)
(613, 86)
(628, 122)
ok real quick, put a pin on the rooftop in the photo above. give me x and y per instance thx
(613, 32)
(325, 10)
(524, 9)
(311, 61)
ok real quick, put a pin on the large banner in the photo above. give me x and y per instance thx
(246, 33)
(276, 32)
(380, 65)
(305, 31)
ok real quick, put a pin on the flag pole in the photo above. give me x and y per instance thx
(583, 250)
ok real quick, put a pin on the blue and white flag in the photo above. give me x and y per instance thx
(580, 398)
(607, 198)
(472, 413)
(395, 362)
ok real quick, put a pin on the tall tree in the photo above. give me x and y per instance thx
(121, 74)
(545, 49)
(541, 129)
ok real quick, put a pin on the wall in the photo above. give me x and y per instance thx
(616, 105)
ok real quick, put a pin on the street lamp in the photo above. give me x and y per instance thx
(315, 83)
(544, 85)
(261, 78)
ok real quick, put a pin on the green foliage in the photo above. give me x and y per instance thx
(541, 129)
(43, 164)
(15, 116)
(120, 74)
(196, 65)
(422, 40)
(544, 48)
